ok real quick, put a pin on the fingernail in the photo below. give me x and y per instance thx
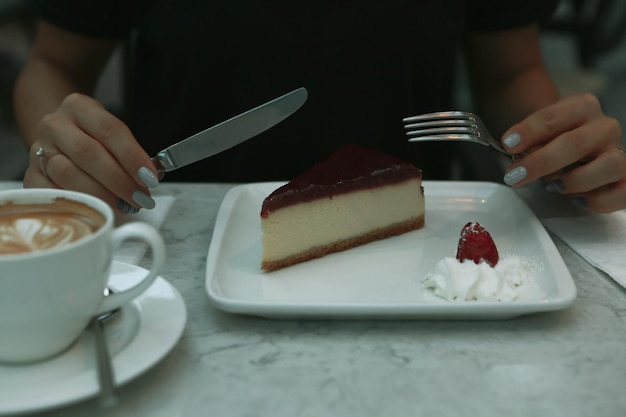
(512, 140)
(515, 175)
(580, 202)
(125, 207)
(555, 186)
(147, 177)
(143, 200)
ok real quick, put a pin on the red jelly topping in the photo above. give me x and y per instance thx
(349, 169)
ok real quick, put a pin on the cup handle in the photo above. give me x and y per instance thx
(148, 234)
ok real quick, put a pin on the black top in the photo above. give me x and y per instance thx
(366, 65)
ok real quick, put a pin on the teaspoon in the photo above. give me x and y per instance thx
(103, 358)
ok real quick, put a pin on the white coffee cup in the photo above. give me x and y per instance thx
(49, 294)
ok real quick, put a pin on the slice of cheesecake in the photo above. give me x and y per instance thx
(356, 196)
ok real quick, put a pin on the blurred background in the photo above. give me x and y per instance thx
(584, 46)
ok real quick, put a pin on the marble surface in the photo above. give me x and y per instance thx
(565, 363)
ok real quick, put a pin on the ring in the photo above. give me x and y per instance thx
(43, 160)
(616, 148)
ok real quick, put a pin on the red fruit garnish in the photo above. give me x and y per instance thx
(476, 244)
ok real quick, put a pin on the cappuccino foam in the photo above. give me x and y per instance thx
(26, 228)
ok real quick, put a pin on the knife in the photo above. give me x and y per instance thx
(229, 133)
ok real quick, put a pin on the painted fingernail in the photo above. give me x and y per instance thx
(555, 186)
(512, 140)
(143, 200)
(515, 175)
(147, 177)
(580, 202)
(125, 207)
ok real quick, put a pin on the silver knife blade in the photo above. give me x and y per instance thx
(229, 133)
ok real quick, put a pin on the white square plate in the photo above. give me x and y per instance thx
(383, 279)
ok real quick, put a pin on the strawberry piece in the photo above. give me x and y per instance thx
(476, 244)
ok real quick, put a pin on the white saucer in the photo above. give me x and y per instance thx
(142, 334)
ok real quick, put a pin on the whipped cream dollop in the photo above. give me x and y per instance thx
(466, 281)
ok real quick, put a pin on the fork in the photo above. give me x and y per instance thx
(459, 126)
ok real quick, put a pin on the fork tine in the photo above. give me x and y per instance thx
(441, 123)
(447, 138)
(437, 131)
(440, 116)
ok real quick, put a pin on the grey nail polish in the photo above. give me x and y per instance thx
(512, 140)
(555, 186)
(515, 175)
(125, 207)
(147, 177)
(579, 202)
(143, 200)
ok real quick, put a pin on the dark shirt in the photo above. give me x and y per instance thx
(366, 65)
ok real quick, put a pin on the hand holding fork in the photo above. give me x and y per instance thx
(572, 145)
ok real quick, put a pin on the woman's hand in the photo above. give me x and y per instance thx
(83, 147)
(577, 151)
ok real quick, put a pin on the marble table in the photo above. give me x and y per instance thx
(564, 363)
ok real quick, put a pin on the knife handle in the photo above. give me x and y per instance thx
(159, 167)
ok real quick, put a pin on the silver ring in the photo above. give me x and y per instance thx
(616, 148)
(43, 160)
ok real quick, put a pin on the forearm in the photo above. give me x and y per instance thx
(509, 102)
(39, 90)
(508, 77)
(60, 63)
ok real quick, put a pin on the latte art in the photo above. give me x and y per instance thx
(37, 227)
(32, 234)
